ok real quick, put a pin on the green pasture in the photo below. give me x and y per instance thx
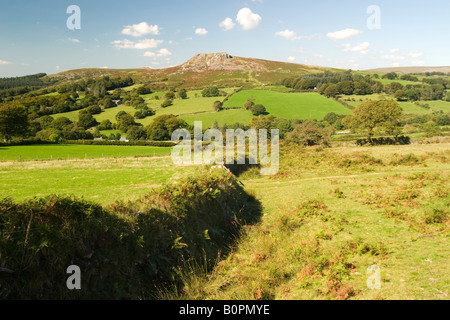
(289, 105)
(60, 151)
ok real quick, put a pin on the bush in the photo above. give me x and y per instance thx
(126, 251)
(258, 110)
(402, 140)
(166, 103)
(308, 134)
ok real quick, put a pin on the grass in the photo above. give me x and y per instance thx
(289, 105)
(408, 107)
(325, 225)
(329, 214)
(193, 105)
(100, 180)
(47, 152)
(223, 117)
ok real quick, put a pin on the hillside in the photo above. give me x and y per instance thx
(206, 69)
(410, 69)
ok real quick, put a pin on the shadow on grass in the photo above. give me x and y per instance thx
(129, 250)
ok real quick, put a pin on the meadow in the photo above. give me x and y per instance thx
(103, 180)
(67, 152)
(328, 215)
(288, 105)
(407, 106)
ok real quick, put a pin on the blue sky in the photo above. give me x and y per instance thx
(135, 33)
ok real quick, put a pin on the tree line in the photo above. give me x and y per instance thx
(333, 84)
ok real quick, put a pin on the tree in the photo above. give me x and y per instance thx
(393, 87)
(261, 122)
(107, 103)
(249, 104)
(170, 95)
(163, 126)
(218, 106)
(166, 103)
(211, 92)
(86, 121)
(105, 125)
(126, 121)
(143, 90)
(362, 88)
(119, 115)
(345, 87)
(331, 118)
(13, 121)
(182, 94)
(45, 122)
(431, 129)
(309, 134)
(400, 95)
(60, 123)
(385, 115)
(331, 91)
(390, 76)
(136, 133)
(94, 110)
(377, 87)
(258, 110)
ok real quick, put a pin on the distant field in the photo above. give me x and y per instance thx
(408, 107)
(102, 180)
(223, 117)
(194, 104)
(289, 105)
(41, 152)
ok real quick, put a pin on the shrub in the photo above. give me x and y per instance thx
(125, 251)
(258, 110)
(166, 103)
(308, 134)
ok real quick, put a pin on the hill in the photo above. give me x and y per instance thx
(205, 69)
(410, 69)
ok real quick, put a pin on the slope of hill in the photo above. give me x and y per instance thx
(206, 69)
(411, 69)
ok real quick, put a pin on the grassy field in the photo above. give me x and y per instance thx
(289, 105)
(59, 151)
(329, 214)
(325, 225)
(101, 180)
(223, 117)
(408, 107)
(193, 105)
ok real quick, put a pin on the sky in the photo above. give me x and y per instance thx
(44, 36)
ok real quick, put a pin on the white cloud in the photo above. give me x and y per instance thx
(247, 19)
(227, 24)
(319, 55)
(362, 48)
(288, 35)
(5, 62)
(392, 57)
(415, 54)
(201, 31)
(418, 63)
(141, 45)
(140, 29)
(73, 40)
(161, 53)
(344, 34)
(291, 59)
(394, 50)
